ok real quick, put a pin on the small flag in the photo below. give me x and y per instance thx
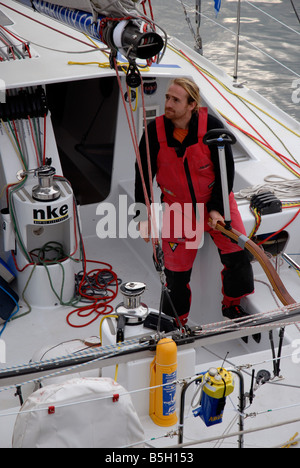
(217, 6)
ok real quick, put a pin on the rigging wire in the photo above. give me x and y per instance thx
(241, 98)
(275, 19)
(286, 162)
(193, 10)
(118, 347)
(263, 140)
(296, 12)
(251, 43)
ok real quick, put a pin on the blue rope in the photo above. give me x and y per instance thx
(13, 314)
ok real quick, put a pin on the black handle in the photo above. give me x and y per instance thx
(218, 137)
(121, 323)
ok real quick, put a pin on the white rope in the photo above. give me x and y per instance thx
(281, 187)
(245, 322)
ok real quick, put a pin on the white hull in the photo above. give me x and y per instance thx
(46, 326)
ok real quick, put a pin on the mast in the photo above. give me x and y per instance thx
(198, 39)
(237, 45)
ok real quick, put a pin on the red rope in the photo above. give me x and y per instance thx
(239, 113)
(18, 39)
(280, 230)
(132, 128)
(34, 142)
(283, 158)
(100, 305)
(45, 134)
(16, 133)
(9, 46)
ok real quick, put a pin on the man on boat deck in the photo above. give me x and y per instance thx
(185, 168)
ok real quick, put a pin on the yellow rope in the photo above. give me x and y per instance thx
(263, 147)
(291, 442)
(100, 334)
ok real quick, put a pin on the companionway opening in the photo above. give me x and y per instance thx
(84, 117)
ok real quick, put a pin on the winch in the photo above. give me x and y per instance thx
(132, 307)
(47, 189)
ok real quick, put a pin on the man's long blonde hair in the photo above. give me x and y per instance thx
(191, 88)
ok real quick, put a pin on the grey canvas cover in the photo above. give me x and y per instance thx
(113, 8)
